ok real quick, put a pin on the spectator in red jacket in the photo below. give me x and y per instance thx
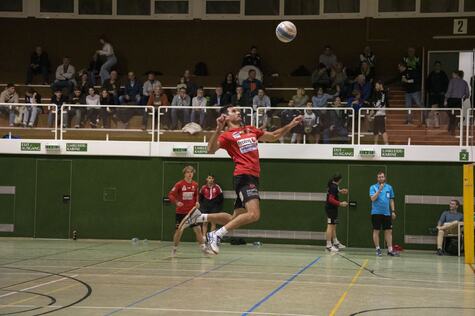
(211, 200)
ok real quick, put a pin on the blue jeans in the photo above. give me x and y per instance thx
(61, 84)
(202, 113)
(5, 109)
(412, 99)
(176, 112)
(106, 68)
(30, 115)
(341, 132)
(135, 100)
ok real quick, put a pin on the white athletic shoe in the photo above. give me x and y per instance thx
(207, 251)
(173, 254)
(213, 241)
(190, 218)
(339, 246)
(332, 249)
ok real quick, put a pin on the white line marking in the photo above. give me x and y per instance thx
(36, 286)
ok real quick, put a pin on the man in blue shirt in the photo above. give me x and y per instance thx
(382, 212)
(448, 224)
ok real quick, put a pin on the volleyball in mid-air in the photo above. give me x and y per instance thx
(286, 31)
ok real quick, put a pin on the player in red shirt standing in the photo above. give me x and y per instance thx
(211, 200)
(241, 143)
(184, 195)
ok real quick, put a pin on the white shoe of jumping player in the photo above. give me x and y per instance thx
(213, 241)
(207, 251)
(339, 245)
(190, 218)
(173, 254)
(332, 249)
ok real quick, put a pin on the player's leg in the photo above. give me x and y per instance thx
(388, 235)
(200, 239)
(375, 219)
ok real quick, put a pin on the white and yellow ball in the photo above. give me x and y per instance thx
(286, 31)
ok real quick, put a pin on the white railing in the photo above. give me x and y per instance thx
(22, 112)
(163, 110)
(320, 112)
(470, 126)
(363, 112)
(109, 109)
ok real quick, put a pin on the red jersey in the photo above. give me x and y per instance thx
(241, 145)
(210, 193)
(184, 192)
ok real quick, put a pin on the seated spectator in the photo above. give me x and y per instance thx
(106, 99)
(335, 124)
(191, 87)
(84, 84)
(338, 75)
(149, 86)
(368, 57)
(65, 76)
(58, 99)
(132, 91)
(229, 87)
(180, 99)
(78, 112)
(199, 103)
(320, 78)
(94, 68)
(252, 59)
(241, 99)
(251, 85)
(286, 116)
(327, 58)
(9, 95)
(261, 100)
(217, 99)
(112, 85)
(411, 60)
(93, 110)
(107, 51)
(379, 101)
(181, 84)
(300, 98)
(356, 101)
(311, 123)
(29, 117)
(39, 64)
(157, 99)
(320, 100)
(367, 71)
(363, 87)
(448, 224)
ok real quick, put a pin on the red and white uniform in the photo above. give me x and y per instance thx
(184, 192)
(241, 145)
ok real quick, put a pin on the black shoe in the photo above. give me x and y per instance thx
(393, 254)
(440, 252)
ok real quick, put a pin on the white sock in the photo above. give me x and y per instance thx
(175, 248)
(329, 244)
(221, 232)
(390, 249)
(335, 241)
(378, 248)
(203, 246)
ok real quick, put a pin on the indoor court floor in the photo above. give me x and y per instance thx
(61, 277)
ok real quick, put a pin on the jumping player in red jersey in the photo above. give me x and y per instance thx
(185, 196)
(241, 143)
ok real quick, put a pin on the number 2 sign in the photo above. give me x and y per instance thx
(460, 26)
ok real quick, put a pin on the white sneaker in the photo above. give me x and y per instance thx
(332, 249)
(339, 245)
(190, 218)
(173, 254)
(207, 251)
(213, 241)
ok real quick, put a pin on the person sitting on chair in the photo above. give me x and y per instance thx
(448, 224)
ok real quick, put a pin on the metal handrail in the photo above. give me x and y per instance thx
(469, 117)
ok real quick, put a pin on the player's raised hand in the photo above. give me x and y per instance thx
(297, 120)
(220, 121)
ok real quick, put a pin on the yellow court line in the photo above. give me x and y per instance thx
(343, 296)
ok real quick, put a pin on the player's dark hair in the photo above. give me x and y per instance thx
(456, 202)
(381, 172)
(335, 178)
(224, 109)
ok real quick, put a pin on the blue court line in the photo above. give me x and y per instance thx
(172, 287)
(282, 286)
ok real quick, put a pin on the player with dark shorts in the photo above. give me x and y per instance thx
(241, 143)
(211, 200)
(331, 209)
(184, 195)
(382, 212)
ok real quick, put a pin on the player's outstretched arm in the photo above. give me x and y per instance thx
(275, 135)
(213, 143)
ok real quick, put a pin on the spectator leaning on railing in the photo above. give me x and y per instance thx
(457, 92)
(9, 95)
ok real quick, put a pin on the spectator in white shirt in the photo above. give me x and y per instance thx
(261, 100)
(199, 103)
(65, 76)
(93, 110)
(108, 52)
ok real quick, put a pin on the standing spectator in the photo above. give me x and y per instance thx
(261, 100)
(363, 86)
(320, 100)
(252, 59)
(311, 123)
(94, 68)
(300, 98)
(65, 76)
(39, 64)
(157, 99)
(411, 82)
(84, 84)
(251, 85)
(320, 77)
(447, 224)
(229, 87)
(112, 85)
(327, 58)
(382, 212)
(331, 209)
(199, 104)
(33, 98)
(336, 123)
(457, 92)
(379, 101)
(191, 87)
(411, 60)
(104, 113)
(180, 99)
(149, 86)
(211, 200)
(9, 95)
(437, 84)
(78, 112)
(108, 52)
(132, 91)
(93, 100)
(58, 99)
(368, 56)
